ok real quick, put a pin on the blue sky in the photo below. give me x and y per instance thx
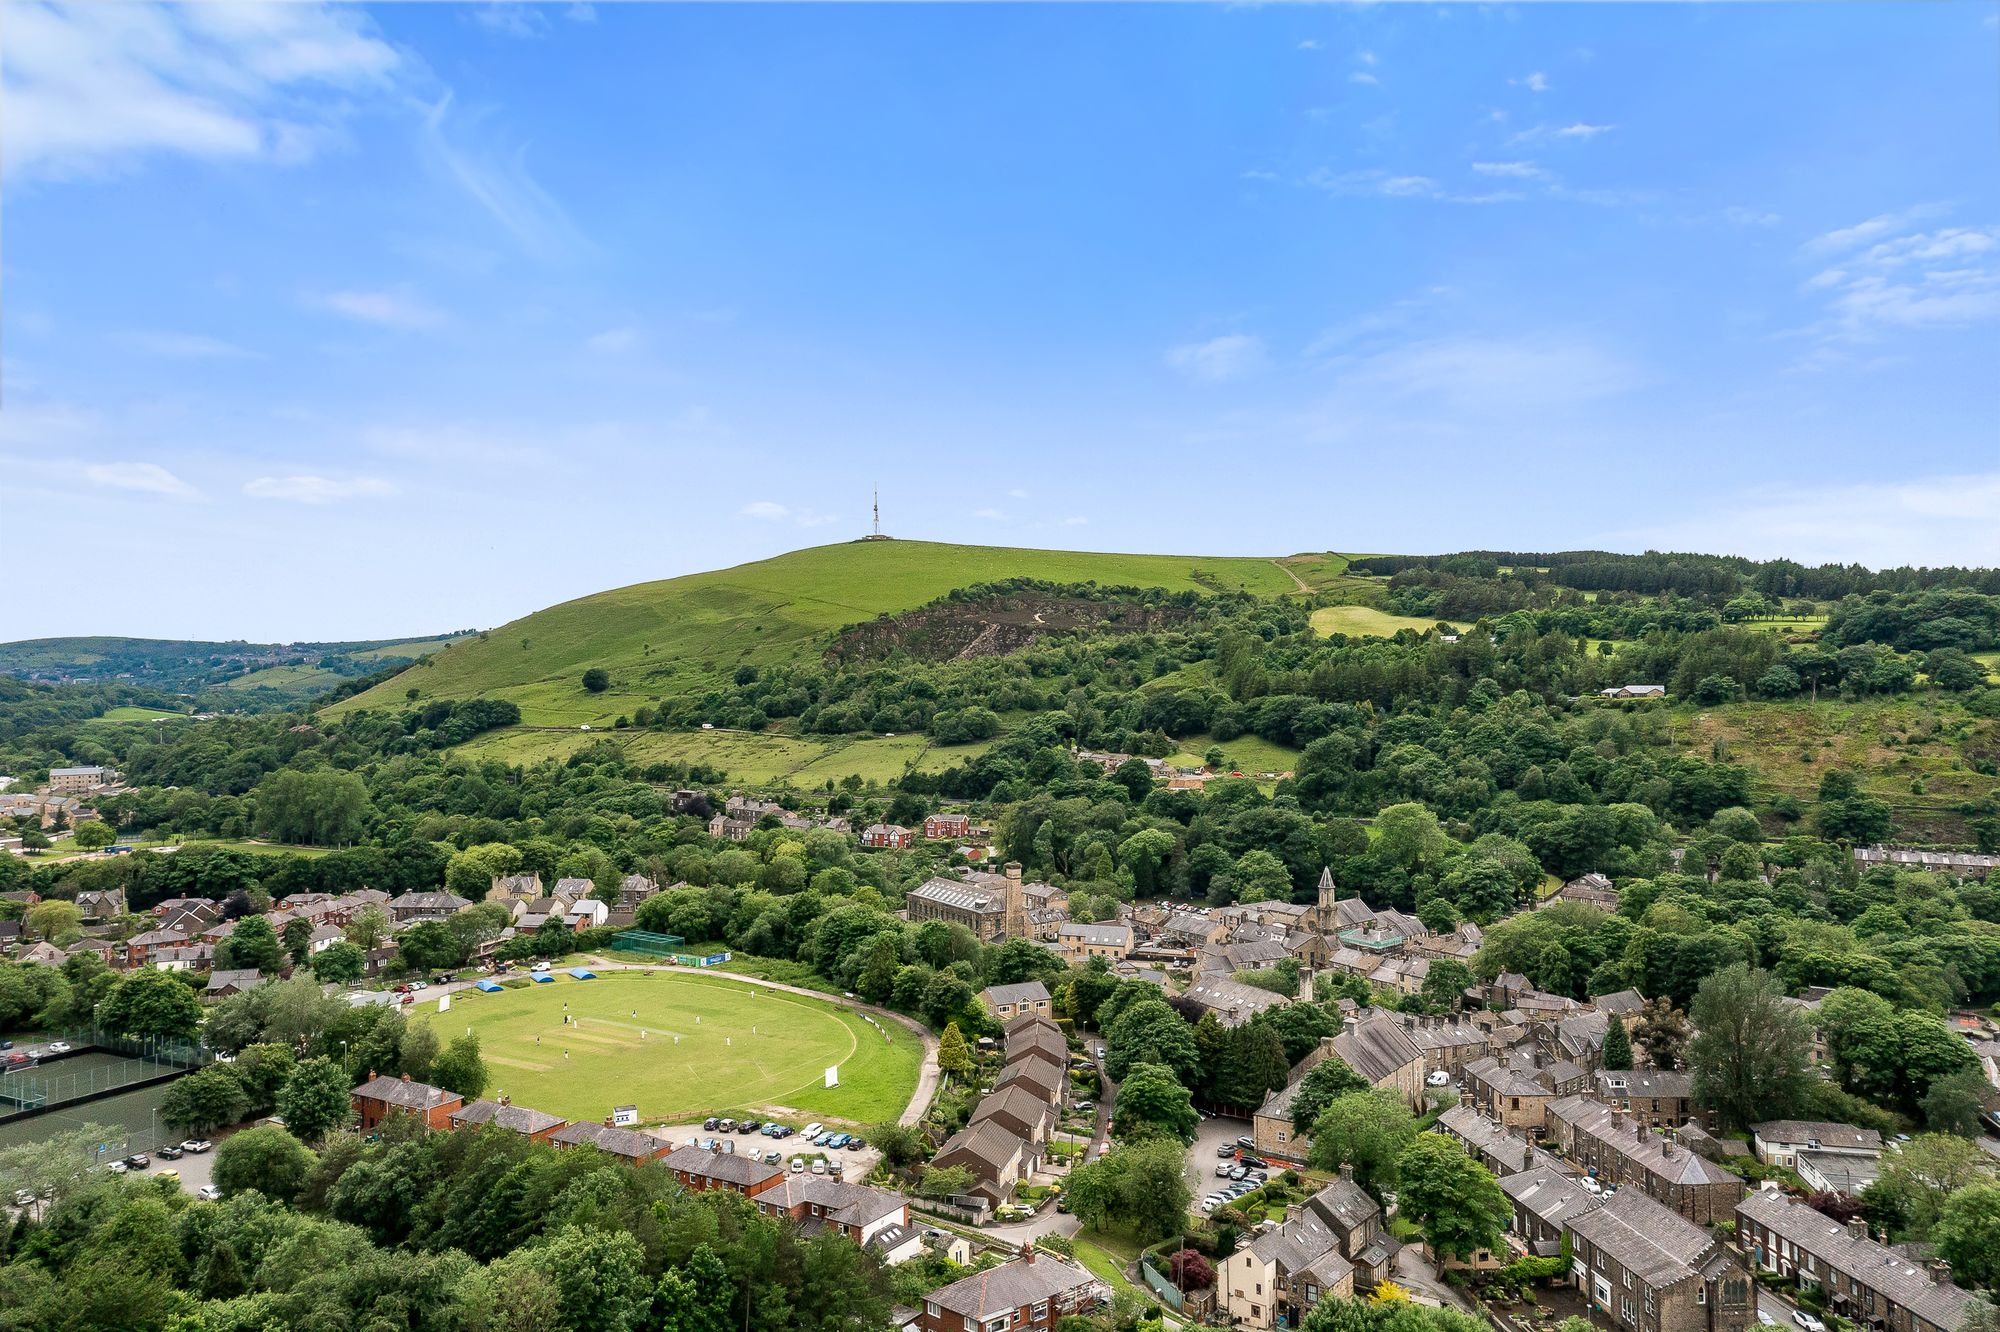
(362, 321)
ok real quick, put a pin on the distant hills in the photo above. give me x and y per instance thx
(188, 666)
(682, 634)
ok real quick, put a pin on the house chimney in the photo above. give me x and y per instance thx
(371, 1075)
(406, 1077)
(1857, 1229)
(1617, 1118)
(1938, 1269)
(1012, 869)
(609, 1122)
(1347, 1170)
(1028, 1252)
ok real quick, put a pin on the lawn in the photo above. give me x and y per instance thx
(1248, 754)
(755, 757)
(137, 714)
(296, 676)
(1366, 621)
(684, 634)
(680, 1045)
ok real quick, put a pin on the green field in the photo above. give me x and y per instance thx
(416, 647)
(138, 714)
(297, 677)
(745, 756)
(1367, 621)
(716, 1065)
(1247, 753)
(680, 635)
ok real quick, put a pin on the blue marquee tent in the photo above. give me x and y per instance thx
(581, 974)
(487, 986)
(542, 978)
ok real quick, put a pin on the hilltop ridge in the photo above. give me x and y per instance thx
(681, 634)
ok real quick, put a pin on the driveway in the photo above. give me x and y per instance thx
(1209, 1138)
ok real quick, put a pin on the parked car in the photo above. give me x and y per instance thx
(1237, 1172)
(118, 1167)
(773, 1156)
(59, 1047)
(1438, 1079)
(708, 1144)
(541, 967)
(1226, 1151)
(798, 1165)
(1807, 1321)
(1222, 1169)
(781, 1131)
(1085, 1107)
(171, 1153)
(750, 1126)
(727, 1126)
(196, 1145)
(1255, 1162)
(171, 1175)
(819, 1167)
(1766, 1319)
(710, 1123)
(1208, 1208)
(24, 1198)
(1247, 1144)
(813, 1130)
(138, 1160)
(416, 985)
(208, 1193)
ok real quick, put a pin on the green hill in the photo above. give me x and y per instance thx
(681, 634)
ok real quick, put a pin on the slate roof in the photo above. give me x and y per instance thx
(1644, 1082)
(241, 980)
(743, 1170)
(1101, 936)
(516, 1118)
(1027, 1280)
(1376, 1048)
(1344, 1205)
(1548, 1193)
(1875, 1265)
(1649, 1152)
(617, 1141)
(958, 896)
(403, 1094)
(1621, 1002)
(850, 1204)
(1653, 1242)
(1827, 1136)
(991, 1145)
(1232, 1002)
(1027, 992)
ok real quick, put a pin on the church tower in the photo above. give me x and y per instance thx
(1327, 917)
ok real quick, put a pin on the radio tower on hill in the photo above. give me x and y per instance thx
(875, 533)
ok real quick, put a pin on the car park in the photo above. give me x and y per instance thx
(1222, 1169)
(171, 1175)
(1226, 1150)
(750, 1126)
(710, 1123)
(1246, 1143)
(60, 1047)
(773, 1156)
(798, 1165)
(819, 1167)
(196, 1145)
(118, 1167)
(727, 1126)
(208, 1193)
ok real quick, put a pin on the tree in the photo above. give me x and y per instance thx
(54, 919)
(1140, 1185)
(945, 1181)
(338, 963)
(1154, 1033)
(1445, 984)
(55, 1166)
(1662, 1032)
(1617, 1054)
(901, 1145)
(1750, 1060)
(1261, 877)
(205, 1100)
(1908, 1197)
(1152, 1103)
(953, 1057)
(429, 946)
(267, 1159)
(461, 1068)
(1365, 1130)
(596, 680)
(600, 1278)
(369, 928)
(151, 1005)
(297, 938)
(1967, 1234)
(324, 807)
(1954, 1104)
(1190, 1270)
(1453, 1199)
(315, 1099)
(1329, 1078)
(263, 1071)
(252, 946)
(93, 835)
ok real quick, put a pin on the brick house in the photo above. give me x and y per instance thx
(379, 1097)
(940, 827)
(632, 1147)
(890, 835)
(998, 1159)
(701, 1171)
(874, 1219)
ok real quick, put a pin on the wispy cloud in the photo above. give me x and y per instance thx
(1580, 130)
(92, 88)
(184, 346)
(1391, 185)
(150, 478)
(391, 308)
(1218, 360)
(1364, 77)
(1887, 278)
(1498, 375)
(510, 18)
(1075, 520)
(1017, 493)
(1511, 170)
(308, 489)
(1535, 82)
(992, 516)
(464, 148)
(1309, 44)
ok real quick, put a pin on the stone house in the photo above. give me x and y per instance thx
(1644, 1268)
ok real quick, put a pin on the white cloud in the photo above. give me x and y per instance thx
(391, 309)
(769, 510)
(992, 515)
(1517, 376)
(1535, 82)
(1218, 360)
(1885, 224)
(1926, 521)
(1394, 186)
(1903, 281)
(1365, 57)
(1075, 520)
(613, 340)
(1260, 175)
(1363, 76)
(1309, 44)
(1581, 130)
(451, 445)
(184, 346)
(1749, 217)
(151, 478)
(511, 18)
(94, 87)
(462, 148)
(316, 489)
(1017, 493)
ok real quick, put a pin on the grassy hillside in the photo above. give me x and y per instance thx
(679, 635)
(1366, 621)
